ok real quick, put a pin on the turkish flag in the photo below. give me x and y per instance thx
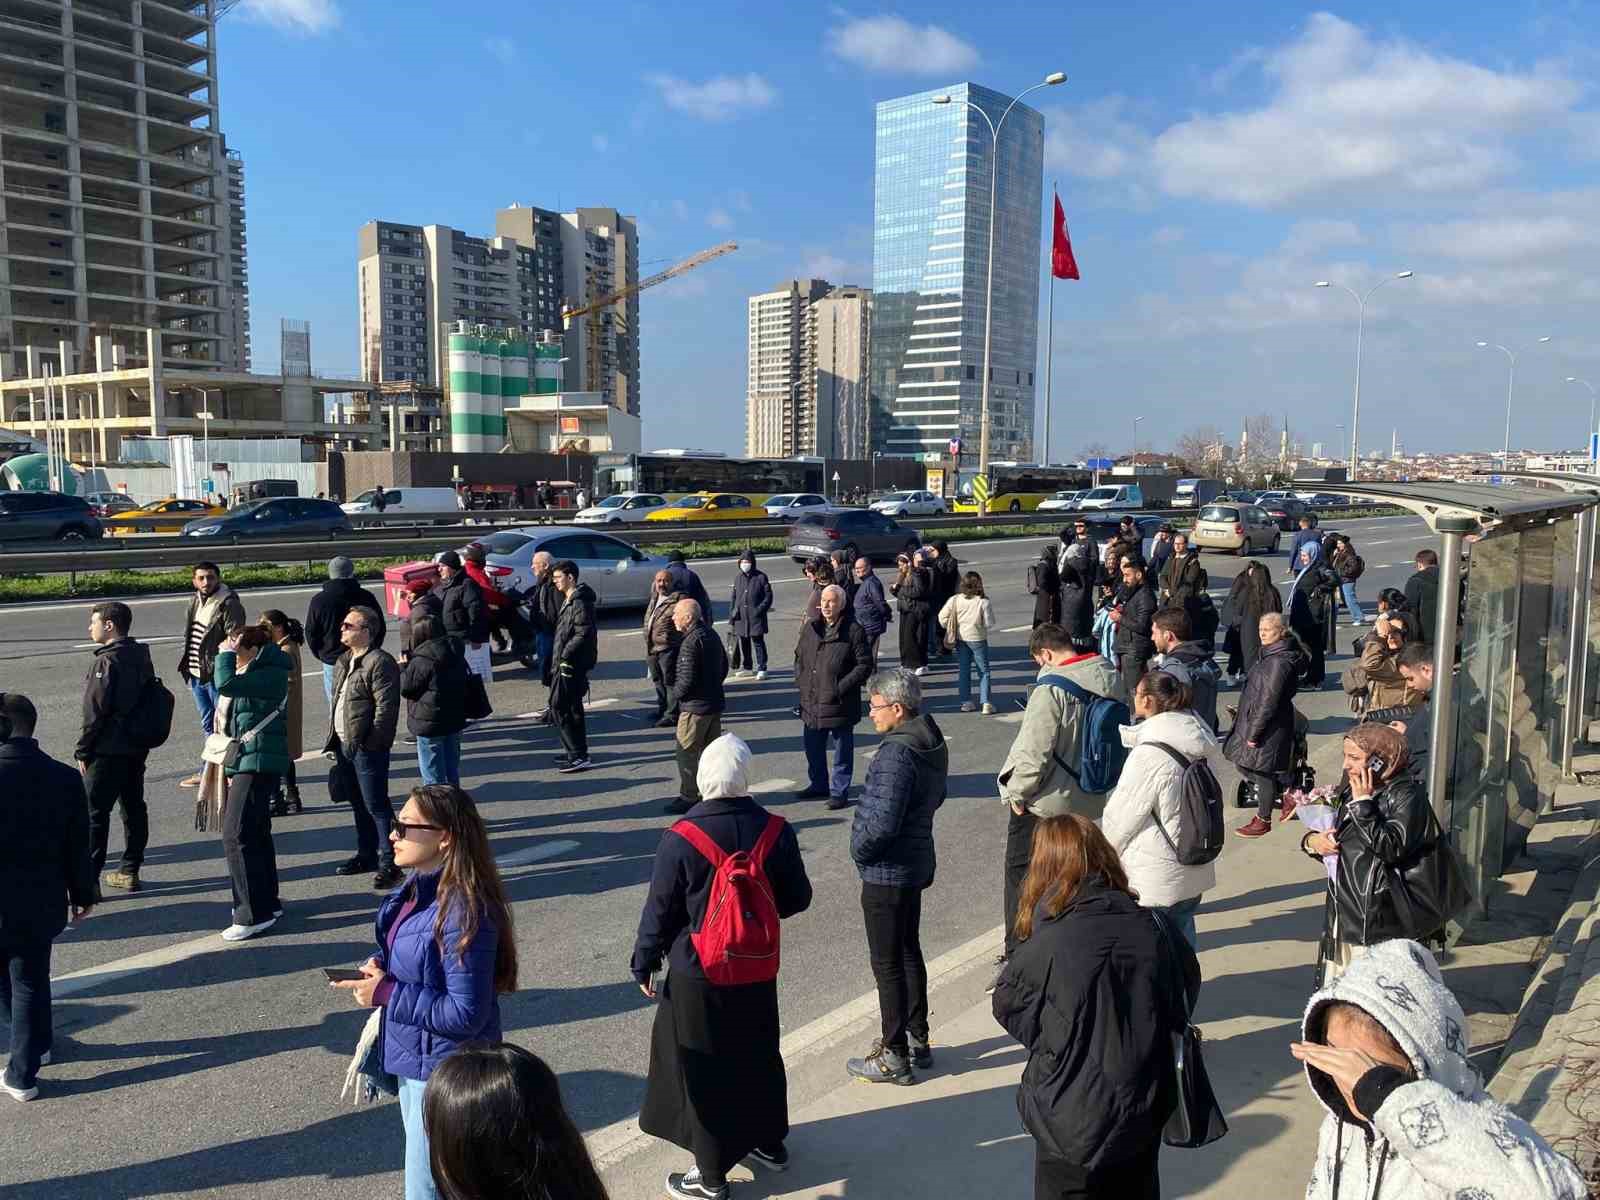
(1062, 264)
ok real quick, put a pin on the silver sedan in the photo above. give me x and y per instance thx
(620, 574)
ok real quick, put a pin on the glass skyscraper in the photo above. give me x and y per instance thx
(929, 259)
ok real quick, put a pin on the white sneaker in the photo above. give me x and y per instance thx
(240, 933)
(760, 675)
(988, 710)
(20, 1095)
(920, 671)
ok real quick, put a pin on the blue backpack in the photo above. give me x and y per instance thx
(1100, 749)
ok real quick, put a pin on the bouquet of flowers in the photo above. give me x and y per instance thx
(1318, 809)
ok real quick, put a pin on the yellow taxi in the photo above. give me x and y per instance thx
(168, 515)
(710, 506)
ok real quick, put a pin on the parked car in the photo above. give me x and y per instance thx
(105, 504)
(1329, 500)
(790, 505)
(1242, 528)
(1103, 528)
(909, 504)
(406, 500)
(168, 515)
(292, 516)
(625, 508)
(47, 516)
(1063, 501)
(619, 573)
(1284, 510)
(858, 532)
(1116, 496)
(1239, 496)
(709, 506)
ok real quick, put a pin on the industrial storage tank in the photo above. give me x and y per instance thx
(466, 388)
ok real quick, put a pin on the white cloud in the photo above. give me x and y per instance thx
(501, 47)
(1098, 140)
(822, 264)
(1511, 229)
(600, 142)
(1309, 237)
(719, 99)
(718, 218)
(1168, 235)
(299, 16)
(893, 44)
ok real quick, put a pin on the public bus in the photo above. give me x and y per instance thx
(677, 473)
(1019, 487)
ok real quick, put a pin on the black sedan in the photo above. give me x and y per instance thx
(858, 532)
(282, 516)
(1286, 512)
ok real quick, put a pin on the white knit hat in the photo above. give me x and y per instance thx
(724, 769)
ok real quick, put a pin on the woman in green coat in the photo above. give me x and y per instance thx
(252, 678)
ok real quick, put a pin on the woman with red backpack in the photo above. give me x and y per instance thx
(717, 1086)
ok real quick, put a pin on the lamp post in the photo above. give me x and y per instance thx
(205, 425)
(1589, 440)
(1136, 421)
(1361, 322)
(995, 127)
(1511, 381)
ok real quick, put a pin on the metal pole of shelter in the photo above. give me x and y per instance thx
(1575, 725)
(1441, 731)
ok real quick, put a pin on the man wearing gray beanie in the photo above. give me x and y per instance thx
(328, 608)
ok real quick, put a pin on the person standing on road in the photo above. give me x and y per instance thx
(891, 843)
(576, 650)
(1145, 809)
(841, 570)
(831, 663)
(716, 1084)
(287, 635)
(466, 616)
(1311, 610)
(1089, 991)
(697, 679)
(1261, 742)
(215, 612)
(1171, 632)
(661, 640)
(1422, 594)
(747, 614)
(434, 684)
(252, 677)
(338, 596)
(969, 617)
(112, 765)
(819, 571)
(361, 730)
(46, 879)
(871, 607)
(1380, 662)
(1079, 569)
(447, 951)
(913, 591)
(1252, 596)
(1044, 584)
(946, 573)
(545, 609)
(1184, 582)
(1134, 611)
(423, 600)
(1305, 535)
(686, 582)
(1349, 567)
(1162, 549)
(504, 619)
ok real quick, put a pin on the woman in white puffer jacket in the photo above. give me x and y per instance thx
(1151, 779)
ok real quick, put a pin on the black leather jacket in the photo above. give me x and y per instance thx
(1391, 829)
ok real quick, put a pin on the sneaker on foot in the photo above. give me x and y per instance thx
(20, 1094)
(988, 710)
(775, 1158)
(575, 766)
(835, 803)
(124, 880)
(920, 671)
(760, 675)
(1254, 828)
(388, 878)
(687, 1185)
(921, 1054)
(811, 793)
(240, 933)
(882, 1065)
(968, 706)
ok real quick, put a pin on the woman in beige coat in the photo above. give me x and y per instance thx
(286, 632)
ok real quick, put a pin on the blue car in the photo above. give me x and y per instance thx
(281, 516)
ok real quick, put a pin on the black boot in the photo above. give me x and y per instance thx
(291, 798)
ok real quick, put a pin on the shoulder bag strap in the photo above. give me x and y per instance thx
(255, 729)
(767, 840)
(701, 841)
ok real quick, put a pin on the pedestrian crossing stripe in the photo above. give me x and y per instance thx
(980, 491)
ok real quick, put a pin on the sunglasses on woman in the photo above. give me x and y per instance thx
(403, 829)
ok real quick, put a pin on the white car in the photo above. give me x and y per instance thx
(1062, 501)
(624, 508)
(790, 505)
(619, 573)
(909, 504)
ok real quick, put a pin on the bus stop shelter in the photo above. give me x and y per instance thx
(1516, 597)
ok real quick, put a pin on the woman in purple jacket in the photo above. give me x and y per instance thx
(446, 952)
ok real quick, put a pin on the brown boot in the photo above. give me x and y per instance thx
(126, 880)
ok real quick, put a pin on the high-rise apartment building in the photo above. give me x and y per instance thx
(414, 281)
(929, 261)
(240, 292)
(780, 389)
(841, 339)
(116, 214)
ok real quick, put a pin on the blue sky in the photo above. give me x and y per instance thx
(1214, 160)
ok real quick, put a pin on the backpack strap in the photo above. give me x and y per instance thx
(701, 841)
(1184, 764)
(767, 840)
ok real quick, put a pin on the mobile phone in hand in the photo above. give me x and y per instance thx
(343, 974)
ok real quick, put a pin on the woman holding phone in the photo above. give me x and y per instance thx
(446, 953)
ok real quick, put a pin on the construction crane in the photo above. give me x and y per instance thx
(592, 355)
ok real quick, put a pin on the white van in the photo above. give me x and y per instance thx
(1122, 495)
(406, 500)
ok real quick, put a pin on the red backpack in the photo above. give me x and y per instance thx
(738, 940)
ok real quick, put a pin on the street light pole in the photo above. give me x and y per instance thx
(1511, 380)
(1361, 322)
(1589, 439)
(1135, 462)
(1050, 80)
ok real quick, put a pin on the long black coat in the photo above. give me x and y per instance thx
(1047, 590)
(44, 842)
(1422, 598)
(1183, 580)
(434, 684)
(1093, 996)
(1079, 574)
(830, 665)
(1266, 713)
(466, 616)
(752, 600)
(1245, 610)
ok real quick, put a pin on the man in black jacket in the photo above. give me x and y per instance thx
(576, 650)
(684, 580)
(338, 596)
(466, 618)
(545, 609)
(831, 662)
(361, 730)
(700, 667)
(45, 873)
(111, 764)
(1422, 594)
(1261, 743)
(1135, 610)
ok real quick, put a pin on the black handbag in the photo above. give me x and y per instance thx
(1429, 890)
(1197, 1118)
(477, 699)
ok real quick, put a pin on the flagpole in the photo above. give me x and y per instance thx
(1049, 367)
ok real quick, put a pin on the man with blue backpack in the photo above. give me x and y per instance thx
(1068, 753)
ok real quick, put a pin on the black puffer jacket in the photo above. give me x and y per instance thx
(427, 604)
(327, 611)
(110, 695)
(368, 688)
(891, 837)
(466, 616)
(1390, 829)
(1138, 612)
(577, 641)
(1266, 713)
(913, 592)
(434, 684)
(1090, 994)
(830, 665)
(701, 666)
(684, 580)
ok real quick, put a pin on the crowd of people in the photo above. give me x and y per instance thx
(1113, 829)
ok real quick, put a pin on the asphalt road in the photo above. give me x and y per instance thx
(187, 1066)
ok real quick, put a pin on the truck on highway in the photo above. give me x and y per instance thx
(1196, 493)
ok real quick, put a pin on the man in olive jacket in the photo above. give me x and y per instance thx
(831, 662)
(365, 713)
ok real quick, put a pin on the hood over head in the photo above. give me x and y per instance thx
(749, 556)
(724, 772)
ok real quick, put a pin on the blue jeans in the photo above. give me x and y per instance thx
(361, 780)
(205, 702)
(419, 1173)
(439, 759)
(968, 653)
(1181, 914)
(544, 642)
(1351, 600)
(327, 682)
(817, 741)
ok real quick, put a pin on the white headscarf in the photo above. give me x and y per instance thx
(724, 769)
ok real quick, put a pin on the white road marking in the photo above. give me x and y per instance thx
(533, 854)
(92, 977)
(1017, 629)
(627, 633)
(771, 785)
